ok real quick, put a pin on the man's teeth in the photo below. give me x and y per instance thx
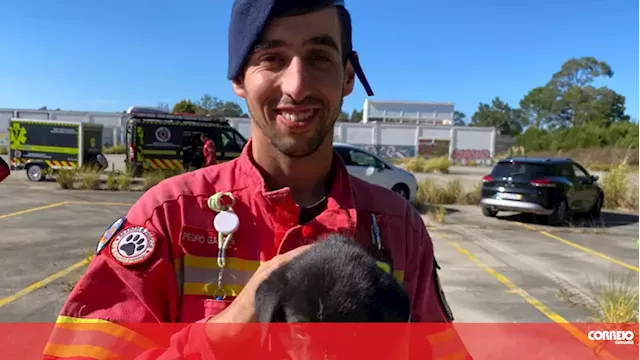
(298, 116)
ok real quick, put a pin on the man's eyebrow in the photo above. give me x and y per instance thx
(268, 44)
(322, 40)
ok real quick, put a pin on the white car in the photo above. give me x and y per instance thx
(369, 167)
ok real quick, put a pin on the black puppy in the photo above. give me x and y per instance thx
(334, 281)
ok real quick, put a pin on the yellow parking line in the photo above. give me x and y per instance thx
(579, 247)
(537, 304)
(99, 203)
(37, 285)
(33, 209)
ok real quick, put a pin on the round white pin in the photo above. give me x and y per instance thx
(226, 222)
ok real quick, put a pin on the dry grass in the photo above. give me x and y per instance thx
(66, 178)
(124, 182)
(598, 157)
(152, 178)
(419, 164)
(431, 193)
(117, 149)
(618, 193)
(4, 150)
(614, 301)
(112, 181)
(89, 179)
(436, 213)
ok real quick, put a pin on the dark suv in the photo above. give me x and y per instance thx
(551, 187)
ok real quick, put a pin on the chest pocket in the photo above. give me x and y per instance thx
(200, 275)
(380, 252)
(196, 308)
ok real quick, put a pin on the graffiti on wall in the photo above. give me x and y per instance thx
(433, 148)
(390, 151)
(479, 156)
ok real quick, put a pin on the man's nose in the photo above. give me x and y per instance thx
(295, 80)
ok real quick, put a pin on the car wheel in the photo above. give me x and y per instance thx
(596, 210)
(402, 190)
(559, 214)
(488, 212)
(35, 172)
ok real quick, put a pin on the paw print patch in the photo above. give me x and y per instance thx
(133, 246)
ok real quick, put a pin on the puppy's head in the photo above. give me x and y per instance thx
(336, 280)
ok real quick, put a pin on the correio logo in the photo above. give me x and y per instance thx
(619, 337)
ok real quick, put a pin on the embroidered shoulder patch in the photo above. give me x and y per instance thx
(108, 234)
(133, 246)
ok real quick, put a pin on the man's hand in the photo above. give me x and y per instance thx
(242, 309)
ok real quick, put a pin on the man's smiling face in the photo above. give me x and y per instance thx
(294, 82)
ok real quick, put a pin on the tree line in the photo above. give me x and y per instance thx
(566, 112)
(213, 106)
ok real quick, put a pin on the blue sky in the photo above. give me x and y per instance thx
(107, 55)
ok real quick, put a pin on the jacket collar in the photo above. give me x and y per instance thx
(340, 199)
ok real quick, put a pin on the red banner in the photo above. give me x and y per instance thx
(103, 340)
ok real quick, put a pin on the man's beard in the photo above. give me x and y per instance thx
(293, 147)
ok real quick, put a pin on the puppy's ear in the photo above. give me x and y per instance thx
(268, 303)
(268, 300)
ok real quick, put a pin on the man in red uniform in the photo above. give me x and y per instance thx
(292, 61)
(4, 169)
(208, 150)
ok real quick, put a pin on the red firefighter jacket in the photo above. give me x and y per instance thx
(209, 152)
(159, 263)
(4, 169)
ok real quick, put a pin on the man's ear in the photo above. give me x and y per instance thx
(238, 86)
(349, 78)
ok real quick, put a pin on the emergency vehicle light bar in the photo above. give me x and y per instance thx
(175, 117)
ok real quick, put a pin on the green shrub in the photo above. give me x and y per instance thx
(112, 181)
(616, 187)
(434, 165)
(124, 182)
(66, 178)
(117, 149)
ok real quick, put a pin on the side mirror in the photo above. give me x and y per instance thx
(594, 178)
(370, 170)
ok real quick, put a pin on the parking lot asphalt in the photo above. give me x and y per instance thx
(508, 269)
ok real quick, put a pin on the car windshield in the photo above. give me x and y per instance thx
(519, 169)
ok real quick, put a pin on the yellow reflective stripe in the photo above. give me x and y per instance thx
(82, 351)
(212, 263)
(458, 355)
(442, 337)
(159, 152)
(169, 164)
(398, 274)
(211, 289)
(107, 327)
(50, 149)
(384, 266)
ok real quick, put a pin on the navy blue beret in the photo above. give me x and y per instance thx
(250, 17)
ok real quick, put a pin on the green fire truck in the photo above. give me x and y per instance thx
(43, 147)
(158, 140)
